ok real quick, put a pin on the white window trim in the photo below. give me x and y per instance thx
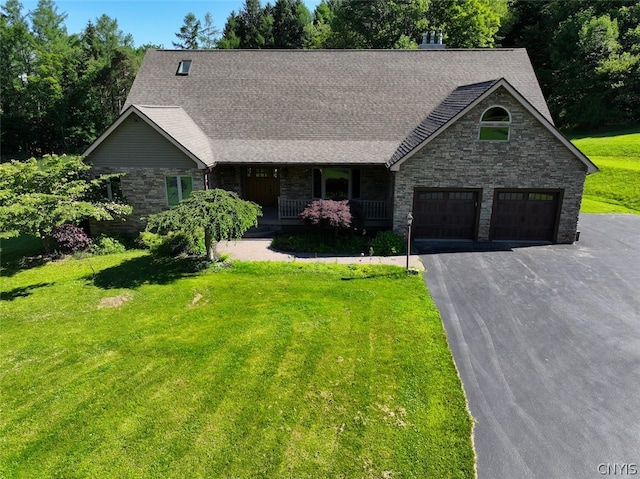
(110, 191)
(184, 67)
(109, 186)
(490, 124)
(179, 182)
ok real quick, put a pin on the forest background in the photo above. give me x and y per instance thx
(60, 90)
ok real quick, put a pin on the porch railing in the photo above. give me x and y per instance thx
(374, 210)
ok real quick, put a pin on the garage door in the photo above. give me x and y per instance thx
(445, 214)
(524, 215)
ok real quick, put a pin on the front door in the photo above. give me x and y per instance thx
(262, 185)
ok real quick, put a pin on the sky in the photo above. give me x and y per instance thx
(149, 21)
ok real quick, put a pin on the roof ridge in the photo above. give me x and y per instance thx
(137, 105)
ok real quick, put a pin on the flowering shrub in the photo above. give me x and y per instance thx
(328, 214)
(70, 238)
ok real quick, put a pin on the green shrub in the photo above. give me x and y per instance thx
(178, 243)
(149, 240)
(316, 242)
(387, 243)
(103, 245)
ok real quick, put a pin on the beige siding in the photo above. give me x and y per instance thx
(136, 144)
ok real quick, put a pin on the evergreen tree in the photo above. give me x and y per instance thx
(208, 37)
(252, 25)
(290, 17)
(189, 33)
(231, 34)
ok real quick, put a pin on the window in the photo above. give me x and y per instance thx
(336, 183)
(113, 189)
(495, 124)
(184, 67)
(178, 188)
(511, 196)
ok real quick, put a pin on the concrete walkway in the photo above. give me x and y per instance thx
(258, 249)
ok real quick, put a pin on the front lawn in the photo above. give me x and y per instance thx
(118, 366)
(614, 189)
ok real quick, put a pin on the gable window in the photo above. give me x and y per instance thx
(336, 183)
(178, 188)
(113, 189)
(495, 124)
(184, 67)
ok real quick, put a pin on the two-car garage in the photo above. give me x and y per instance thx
(517, 214)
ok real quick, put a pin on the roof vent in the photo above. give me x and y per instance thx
(184, 67)
(435, 43)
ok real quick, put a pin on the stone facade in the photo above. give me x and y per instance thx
(144, 189)
(226, 177)
(296, 182)
(532, 158)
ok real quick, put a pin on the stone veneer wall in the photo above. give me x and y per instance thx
(144, 189)
(296, 182)
(532, 158)
(375, 183)
(227, 177)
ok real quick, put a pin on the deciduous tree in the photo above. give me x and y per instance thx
(38, 195)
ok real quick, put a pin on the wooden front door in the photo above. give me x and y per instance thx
(262, 185)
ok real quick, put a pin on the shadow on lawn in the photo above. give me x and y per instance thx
(145, 270)
(21, 292)
(384, 274)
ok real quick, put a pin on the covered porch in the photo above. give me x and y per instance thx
(284, 191)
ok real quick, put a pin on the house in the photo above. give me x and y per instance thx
(463, 139)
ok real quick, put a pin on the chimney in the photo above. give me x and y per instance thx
(430, 42)
(424, 45)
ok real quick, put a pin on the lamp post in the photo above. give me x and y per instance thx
(409, 221)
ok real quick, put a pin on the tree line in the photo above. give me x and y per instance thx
(60, 90)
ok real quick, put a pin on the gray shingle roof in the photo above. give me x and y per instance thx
(320, 106)
(457, 101)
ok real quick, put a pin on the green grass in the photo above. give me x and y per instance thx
(118, 366)
(616, 187)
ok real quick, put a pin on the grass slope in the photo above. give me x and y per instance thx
(616, 188)
(118, 366)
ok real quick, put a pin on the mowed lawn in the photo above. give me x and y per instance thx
(616, 187)
(119, 366)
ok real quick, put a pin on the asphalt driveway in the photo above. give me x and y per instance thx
(547, 342)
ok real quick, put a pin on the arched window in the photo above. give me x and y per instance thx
(495, 124)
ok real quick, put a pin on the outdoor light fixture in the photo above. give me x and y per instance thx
(409, 221)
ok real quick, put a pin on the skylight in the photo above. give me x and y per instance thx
(184, 67)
